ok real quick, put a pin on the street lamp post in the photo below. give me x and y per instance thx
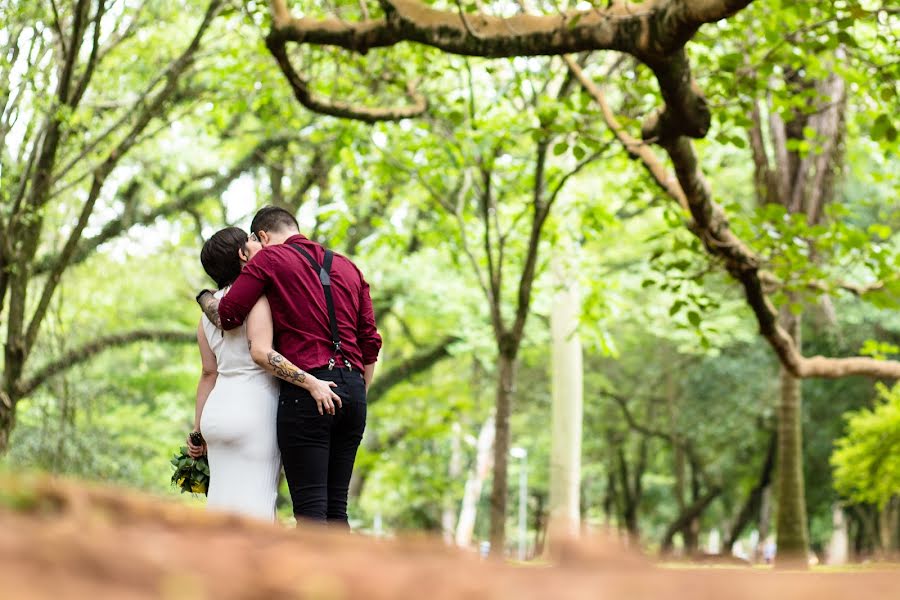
(522, 453)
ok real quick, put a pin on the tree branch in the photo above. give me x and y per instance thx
(650, 29)
(83, 353)
(772, 283)
(85, 78)
(183, 202)
(713, 230)
(343, 110)
(407, 368)
(689, 514)
(751, 506)
(710, 225)
(764, 176)
(653, 32)
(634, 425)
(636, 148)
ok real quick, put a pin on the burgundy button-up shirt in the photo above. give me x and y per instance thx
(299, 312)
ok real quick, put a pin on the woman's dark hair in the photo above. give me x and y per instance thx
(219, 255)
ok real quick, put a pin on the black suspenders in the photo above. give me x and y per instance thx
(324, 271)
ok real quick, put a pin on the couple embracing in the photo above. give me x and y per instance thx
(288, 345)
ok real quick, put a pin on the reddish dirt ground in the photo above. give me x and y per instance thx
(61, 539)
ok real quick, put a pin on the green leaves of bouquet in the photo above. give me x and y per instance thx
(191, 475)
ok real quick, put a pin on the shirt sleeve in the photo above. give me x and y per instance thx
(366, 333)
(249, 287)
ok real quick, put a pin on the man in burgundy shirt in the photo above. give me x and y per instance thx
(318, 439)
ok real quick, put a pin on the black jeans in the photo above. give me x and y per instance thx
(318, 451)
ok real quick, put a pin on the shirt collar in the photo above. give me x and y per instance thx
(299, 237)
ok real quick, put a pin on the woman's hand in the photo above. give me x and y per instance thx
(322, 392)
(195, 451)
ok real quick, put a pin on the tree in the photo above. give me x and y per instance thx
(568, 399)
(67, 145)
(865, 461)
(669, 26)
(802, 183)
(507, 251)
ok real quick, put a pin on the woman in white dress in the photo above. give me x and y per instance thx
(237, 400)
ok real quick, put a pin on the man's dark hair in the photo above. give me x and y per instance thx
(219, 255)
(273, 218)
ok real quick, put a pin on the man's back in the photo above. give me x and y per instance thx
(299, 310)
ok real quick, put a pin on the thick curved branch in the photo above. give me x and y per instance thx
(645, 30)
(82, 354)
(689, 514)
(421, 361)
(342, 110)
(633, 424)
(654, 32)
(637, 149)
(685, 111)
(711, 227)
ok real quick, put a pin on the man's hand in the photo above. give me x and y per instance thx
(195, 451)
(322, 393)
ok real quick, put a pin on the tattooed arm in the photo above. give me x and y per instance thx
(259, 335)
(281, 367)
(209, 304)
(235, 306)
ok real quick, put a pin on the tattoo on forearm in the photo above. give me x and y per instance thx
(285, 369)
(210, 306)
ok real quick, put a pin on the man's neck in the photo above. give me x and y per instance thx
(280, 238)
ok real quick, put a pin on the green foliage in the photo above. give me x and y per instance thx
(866, 460)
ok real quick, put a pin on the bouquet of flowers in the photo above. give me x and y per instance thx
(191, 474)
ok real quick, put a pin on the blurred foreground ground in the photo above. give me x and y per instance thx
(61, 539)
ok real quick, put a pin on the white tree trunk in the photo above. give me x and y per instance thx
(465, 525)
(565, 453)
(838, 547)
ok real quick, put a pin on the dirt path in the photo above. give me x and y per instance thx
(64, 540)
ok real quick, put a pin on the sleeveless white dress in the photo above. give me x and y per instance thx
(238, 423)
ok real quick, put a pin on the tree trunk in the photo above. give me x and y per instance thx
(791, 528)
(506, 376)
(839, 545)
(690, 515)
(454, 471)
(765, 522)
(690, 531)
(865, 540)
(567, 386)
(9, 395)
(631, 491)
(754, 500)
(887, 527)
(7, 421)
(465, 524)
